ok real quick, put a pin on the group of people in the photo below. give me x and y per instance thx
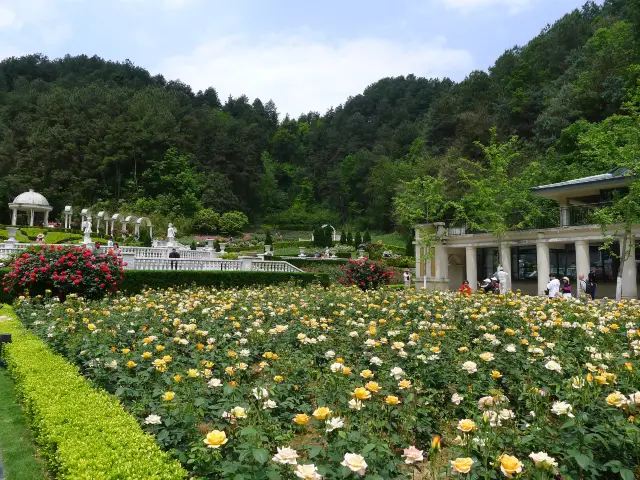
(562, 288)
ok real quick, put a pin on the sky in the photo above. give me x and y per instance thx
(305, 56)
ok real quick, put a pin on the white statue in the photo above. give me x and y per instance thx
(502, 278)
(87, 227)
(171, 232)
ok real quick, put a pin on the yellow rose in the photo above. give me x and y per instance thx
(302, 419)
(616, 399)
(193, 373)
(373, 387)
(466, 425)
(346, 371)
(510, 465)
(361, 393)
(168, 396)
(366, 374)
(391, 400)
(278, 379)
(404, 384)
(628, 366)
(125, 350)
(146, 355)
(322, 413)
(177, 378)
(131, 364)
(167, 358)
(461, 465)
(215, 439)
(601, 380)
(159, 348)
(496, 374)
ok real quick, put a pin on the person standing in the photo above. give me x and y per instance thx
(407, 278)
(591, 285)
(553, 287)
(582, 286)
(174, 263)
(565, 288)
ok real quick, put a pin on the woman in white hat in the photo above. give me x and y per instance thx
(565, 288)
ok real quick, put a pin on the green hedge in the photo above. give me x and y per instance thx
(307, 262)
(136, 280)
(83, 433)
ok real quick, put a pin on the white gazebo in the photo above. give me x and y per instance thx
(32, 203)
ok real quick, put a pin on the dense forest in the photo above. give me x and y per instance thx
(90, 132)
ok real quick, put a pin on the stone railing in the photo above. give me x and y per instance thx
(185, 264)
(267, 266)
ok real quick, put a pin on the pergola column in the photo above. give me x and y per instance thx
(472, 267)
(31, 216)
(505, 262)
(46, 218)
(582, 263)
(542, 260)
(629, 271)
(14, 216)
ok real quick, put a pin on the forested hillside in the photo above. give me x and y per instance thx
(86, 131)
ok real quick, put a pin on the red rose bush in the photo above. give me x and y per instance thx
(64, 270)
(365, 274)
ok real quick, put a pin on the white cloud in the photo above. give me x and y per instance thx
(513, 6)
(32, 21)
(175, 4)
(301, 75)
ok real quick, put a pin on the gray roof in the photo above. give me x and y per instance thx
(617, 174)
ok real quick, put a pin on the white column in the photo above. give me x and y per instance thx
(442, 263)
(418, 249)
(629, 286)
(542, 256)
(472, 267)
(505, 261)
(14, 216)
(46, 218)
(582, 263)
(31, 218)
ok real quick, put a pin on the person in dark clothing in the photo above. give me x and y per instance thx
(174, 254)
(591, 285)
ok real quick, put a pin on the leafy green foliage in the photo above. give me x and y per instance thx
(206, 221)
(233, 222)
(83, 432)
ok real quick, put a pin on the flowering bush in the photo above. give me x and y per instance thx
(285, 382)
(365, 274)
(64, 270)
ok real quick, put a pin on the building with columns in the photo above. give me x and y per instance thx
(567, 245)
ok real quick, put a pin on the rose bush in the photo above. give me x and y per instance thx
(366, 275)
(62, 271)
(287, 382)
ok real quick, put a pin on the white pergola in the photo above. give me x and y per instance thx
(32, 203)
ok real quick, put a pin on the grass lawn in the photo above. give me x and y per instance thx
(19, 456)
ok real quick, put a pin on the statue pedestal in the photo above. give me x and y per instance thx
(90, 245)
(12, 235)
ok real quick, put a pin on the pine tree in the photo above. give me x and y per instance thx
(410, 250)
(358, 240)
(367, 237)
(343, 238)
(349, 238)
(267, 239)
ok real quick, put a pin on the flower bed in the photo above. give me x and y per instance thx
(83, 433)
(285, 382)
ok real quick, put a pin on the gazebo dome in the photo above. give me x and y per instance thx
(31, 198)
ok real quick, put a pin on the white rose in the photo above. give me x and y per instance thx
(307, 472)
(336, 367)
(553, 366)
(286, 456)
(334, 423)
(153, 420)
(470, 367)
(542, 459)
(354, 462)
(562, 408)
(457, 399)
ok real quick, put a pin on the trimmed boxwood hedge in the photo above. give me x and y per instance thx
(308, 262)
(136, 280)
(83, 433)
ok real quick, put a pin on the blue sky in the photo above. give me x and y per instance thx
(303, 55)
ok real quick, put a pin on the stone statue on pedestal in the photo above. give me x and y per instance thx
(171, 234)
(86, 227)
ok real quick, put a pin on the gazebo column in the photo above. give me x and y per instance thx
(31, 215)
(46, 218)
(14, 216)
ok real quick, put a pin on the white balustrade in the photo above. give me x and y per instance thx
(279, 266)
(186, 264)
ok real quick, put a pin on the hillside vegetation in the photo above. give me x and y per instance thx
(86, 131)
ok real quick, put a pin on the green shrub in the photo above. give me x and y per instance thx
(206, 221)
(136, 280)
(229, 256)
(83, 433)
(233, 222)
(401, 262)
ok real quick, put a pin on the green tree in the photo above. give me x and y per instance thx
(616, 143)
(419, 201)
(349, 238)
(267, 239)
(366, 237)
(206, 221)
(343, 238)
(357, 241)
(233, 222)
